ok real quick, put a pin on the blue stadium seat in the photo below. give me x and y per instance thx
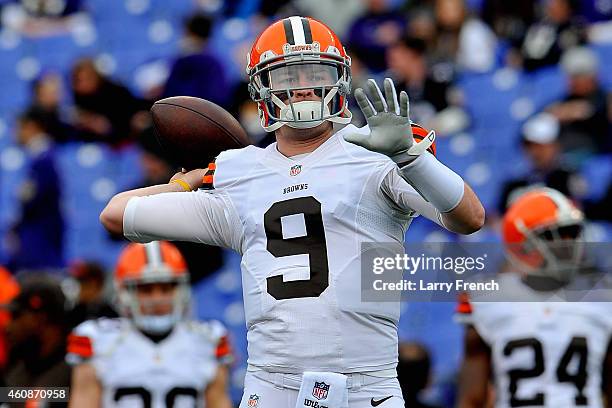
(605, 56)
(597, 174)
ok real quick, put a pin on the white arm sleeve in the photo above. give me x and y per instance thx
(399, 194)
(198, 216)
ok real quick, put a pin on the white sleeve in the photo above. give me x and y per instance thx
(399, 194)
(197, 216)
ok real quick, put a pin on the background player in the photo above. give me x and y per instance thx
(152, 356)
(539, 353)
(298, 211)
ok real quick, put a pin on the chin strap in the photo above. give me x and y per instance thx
(306, 109)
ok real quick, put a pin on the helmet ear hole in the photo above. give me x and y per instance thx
(264, 94)
(345, 88)
(252, 92)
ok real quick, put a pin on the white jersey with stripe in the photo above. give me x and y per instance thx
(545, 353)
(299, 225)
(135, 371)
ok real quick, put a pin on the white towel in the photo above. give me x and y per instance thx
(322, 390)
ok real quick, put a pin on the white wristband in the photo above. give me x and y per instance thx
(438, 184)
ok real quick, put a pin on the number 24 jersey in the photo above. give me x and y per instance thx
(546, 354)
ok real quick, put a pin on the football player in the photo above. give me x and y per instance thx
(298, 211)
(152, 356)
(538, 350)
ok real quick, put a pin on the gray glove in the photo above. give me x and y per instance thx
(389, 122)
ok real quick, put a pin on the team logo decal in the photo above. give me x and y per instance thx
(320, 389)
(253, 400)
(295, 170)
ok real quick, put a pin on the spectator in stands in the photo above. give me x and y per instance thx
(197, 72)
(462, 40)
(36, 239)
(242, 107)
(40, 17)
(422, 24)
(47, 99)
(337, 14)
(413, 373)
(91, 302)
(540, 142)
(8, 290)
(373, 32)
(557, 31)
(408, 67)
(509, 19)
(37, 336)
(104, 109)
(583, 112)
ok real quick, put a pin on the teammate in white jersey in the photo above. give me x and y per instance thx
(152, 356)
(539, 350)
(298, 212)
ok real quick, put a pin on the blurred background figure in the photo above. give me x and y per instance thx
(509, 19)
(37, 335)
(327, 10)
(462, 40)
(408, 67)
(414, 373)
(91, 302)
(583, 111)
(36, 240)
(154, 353)
(104, 108)
(47, 100)
(557, 30)
(371, 33)
(197, 72)
(540, 143)
(40, 18)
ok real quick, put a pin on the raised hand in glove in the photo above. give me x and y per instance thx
(389, 122)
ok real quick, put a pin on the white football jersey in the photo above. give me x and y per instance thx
(545, 353)
(134, 371)
(299, 225)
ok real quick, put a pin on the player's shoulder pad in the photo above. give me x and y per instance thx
(232, 165)
(419, 133)
(213, 332)
(464, 309)
(92, 338)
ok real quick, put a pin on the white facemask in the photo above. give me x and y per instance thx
(155, 324)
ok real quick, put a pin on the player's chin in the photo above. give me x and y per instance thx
(306, 133)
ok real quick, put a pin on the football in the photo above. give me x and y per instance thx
(193, 131)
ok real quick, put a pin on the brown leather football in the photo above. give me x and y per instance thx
(193, 131)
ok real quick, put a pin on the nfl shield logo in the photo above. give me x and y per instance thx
(320, 389)
(295, 170)
(253, 400)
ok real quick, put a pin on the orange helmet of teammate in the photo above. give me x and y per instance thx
(157, 262)
(299, 54)
(9, 288)
(542, 231)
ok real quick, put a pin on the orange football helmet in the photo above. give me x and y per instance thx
(155, 262)
(542, 231)
(299, 54)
